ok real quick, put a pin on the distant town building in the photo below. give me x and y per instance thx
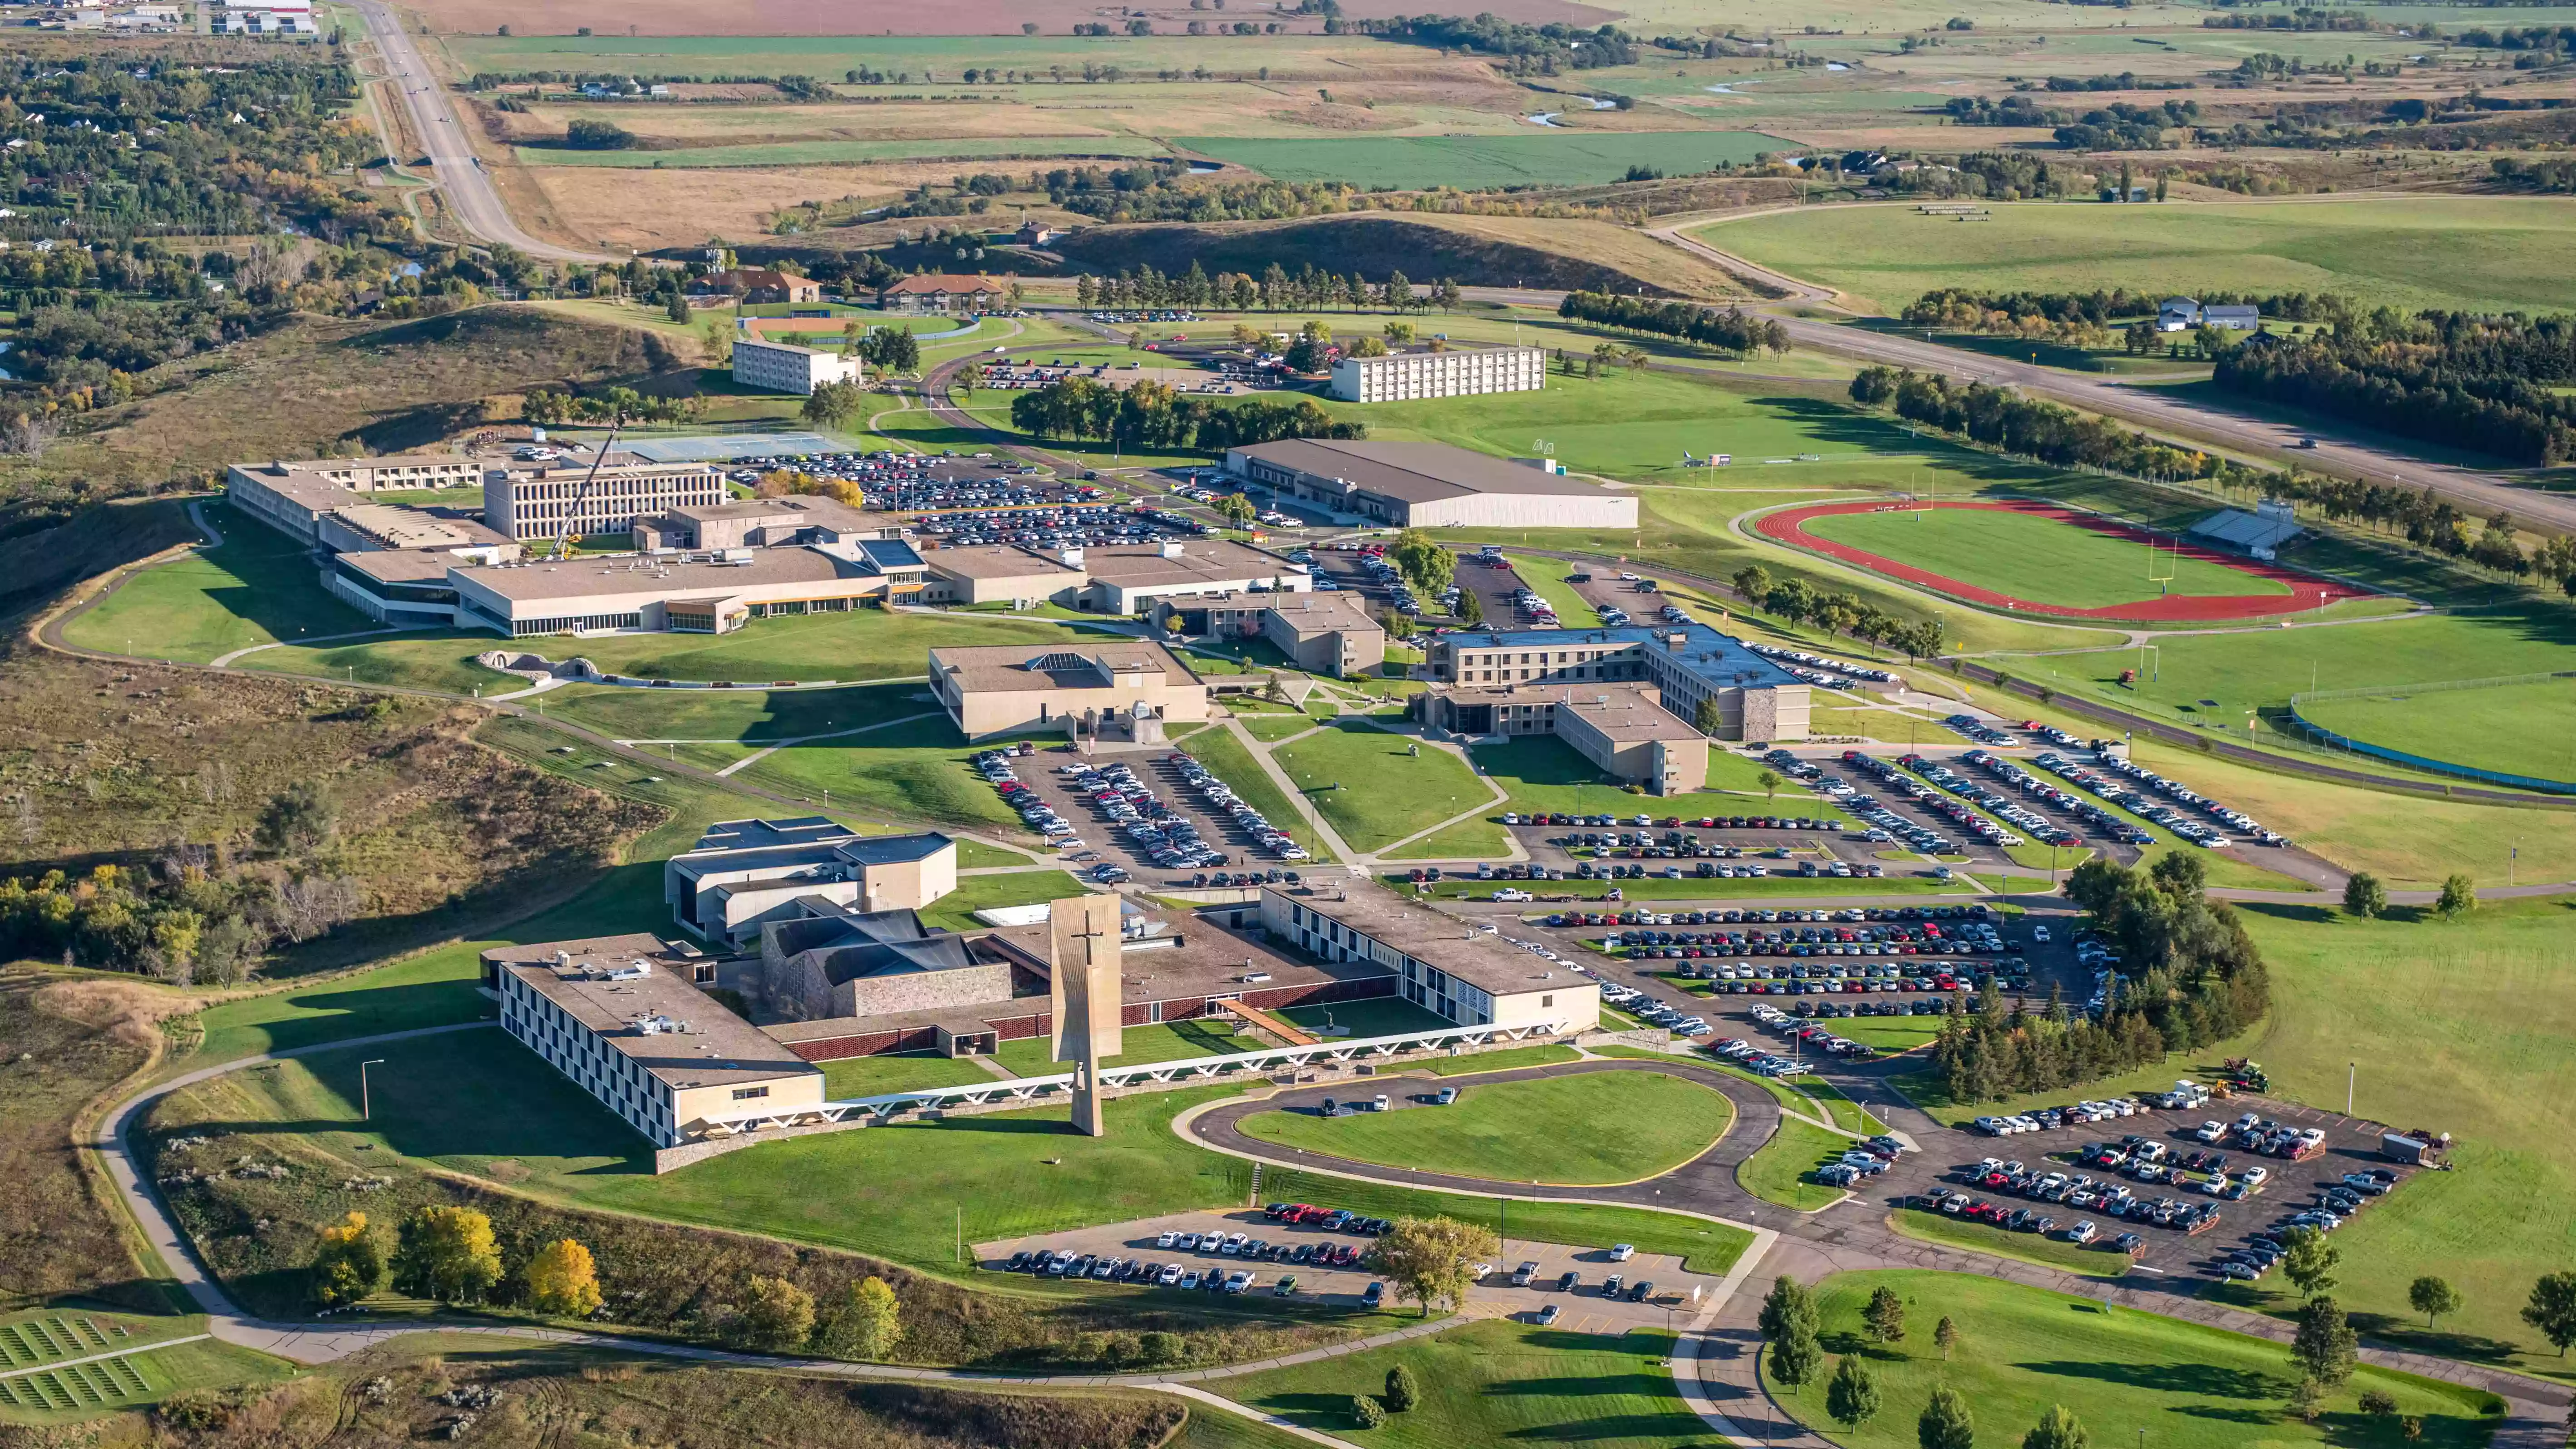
(760, 285)
(940, 292)
(1423, 373)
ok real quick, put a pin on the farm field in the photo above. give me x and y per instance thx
(2033, 557)
(2478, 1012)
(1497, 1382)
(1362, 780)
(2452, 252)
(2122, 1372)
(1592, 1128)
(1535, 159)
(826, 42)
(846, 153)
(2518, 729)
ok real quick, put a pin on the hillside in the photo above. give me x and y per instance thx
(1486, 251)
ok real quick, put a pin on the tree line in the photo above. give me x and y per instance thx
(2433, 523)
(2007, 420)
(2185, 975)
(1152, 415)
(2466, 381)
(1971, 309)
(1275, 290)
(1800, 602)
(1523, 49)
(1728, 331)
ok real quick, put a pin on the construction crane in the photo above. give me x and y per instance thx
(581, 495)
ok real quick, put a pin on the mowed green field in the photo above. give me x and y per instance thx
(848, 153)
(2518, 729)
(2466, 1027)
(2124, 1373)
(1596, 1127)
(2042, 560)
(259, 587)
(2452, 251)
(1363, 781)
(1544, 157)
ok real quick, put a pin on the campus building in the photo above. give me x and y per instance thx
(540, 503)
(786, 367)
(715, 594)
(1428, 485)
(1320, 633)
(761, 286)
(1470, 977)
(619, 1017)
(1452, 372)
(1623, 729)
(1122, 578)
(328, 504)
(937, 292)
(1133, 686)
(1687, 665)
(743, 873)
(814, 521)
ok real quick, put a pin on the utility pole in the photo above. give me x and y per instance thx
(366, 1103)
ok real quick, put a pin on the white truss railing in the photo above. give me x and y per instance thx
(1183, 1070)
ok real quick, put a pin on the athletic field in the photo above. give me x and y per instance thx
(2514, 729)
(2036, 558)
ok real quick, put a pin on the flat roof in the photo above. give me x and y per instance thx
(400, 565)
(1190, 959)
(1480, 958)
(995, 561)
(642, 573)
(716, 1049)
(409, 528)
(1198, 560)
(1628, 714)
(1076, 664)
(812, 509)
(726, 447)
(1414, 472)
(1719, 659)
(304, 489)
(1313, 613)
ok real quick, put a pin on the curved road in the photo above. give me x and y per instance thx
(467, 187)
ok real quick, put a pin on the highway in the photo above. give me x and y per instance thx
(467, 187)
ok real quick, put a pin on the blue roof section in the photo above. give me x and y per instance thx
(1720, 659)
(889, 553)
(893, 849)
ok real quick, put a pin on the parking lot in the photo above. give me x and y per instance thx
(1582, 1309)
(1158, 812)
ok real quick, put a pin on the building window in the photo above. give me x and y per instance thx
(1546, 1001)
(746, 1094)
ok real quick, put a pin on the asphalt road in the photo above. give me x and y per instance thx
(462, 180)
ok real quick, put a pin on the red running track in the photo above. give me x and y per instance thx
(2307, 591)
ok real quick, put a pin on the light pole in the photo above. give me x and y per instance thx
(366, 1102)
(2351, 1077)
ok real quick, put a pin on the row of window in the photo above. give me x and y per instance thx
(573, 1049)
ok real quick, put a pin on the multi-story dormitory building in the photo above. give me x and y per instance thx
(1685, 663)
(536, 504)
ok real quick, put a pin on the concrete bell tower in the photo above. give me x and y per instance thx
(1084, 990)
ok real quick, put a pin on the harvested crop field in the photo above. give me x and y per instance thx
(765, 18)
(1540, 158)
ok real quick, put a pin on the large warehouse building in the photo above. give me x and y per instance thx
(1428, 485)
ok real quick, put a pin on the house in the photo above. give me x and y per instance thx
(1035, 234)
(940, 292)
(759, 285)
(2182, 314)
(2232, 319)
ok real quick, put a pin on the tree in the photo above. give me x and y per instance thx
(297, 818)
(2309, 1261)
(2459, 896)
(1471, 608)
(562, 1280)
(833, 404)
(1398, 333)
(1786, 1305)
(776, 1316)
(1795, 1356)
(1708, 719)
(1769, 780)
(1946, 1423)
(1425, 564)
(1753, 582)
(1434, 1258)
(677, 309)
(1402, 1392)
(589, 135)
(2364, 896)
(1884, 1318)
(1946, 1334)
(2058, 1428)
(867, 1325)
(2325, 1344)
(1367, 1413)
(2308, 1399)
(2378, 1403)
(2552, 1309)
(1852, 1395)
(2433, 1297)
(348, 1265)
(1237, 509)
(447, 1253)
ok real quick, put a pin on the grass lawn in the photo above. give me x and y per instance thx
(956, 910)
(1703, 1246)
(1226, 757)
(1375, 794)
(2467, 1024)
(1156, 1042)
(1270, 728)
(1471, 1063)
(142, 1377)
(1547, 576)
(1836, 1108)
(260, 587)
(2005, 1243)
(1888, 1033)
(2447, 251)
(1692, 888)
(1566, 159)
(1466, 840)
(439, 660)
(912, 770)
(900, 1072)
(1492, 1383)
(1600, 1127)
(746, 716)
(2028, 557)
(1377, 1016)
(1777, 1171)
(2121, 1371)
(470, 1100)
(1545, 775)
(2521, 729)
